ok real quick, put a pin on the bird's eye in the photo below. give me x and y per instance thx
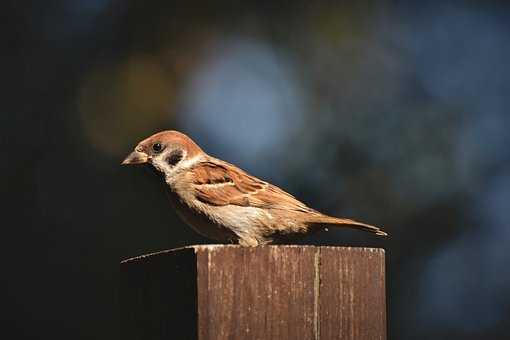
(157, 147)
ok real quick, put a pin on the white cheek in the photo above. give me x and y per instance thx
(172, 171)
(188, 163)
(161, 165)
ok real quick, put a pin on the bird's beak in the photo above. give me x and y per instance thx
(135, 157)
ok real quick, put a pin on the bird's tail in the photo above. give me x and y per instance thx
(335, 221)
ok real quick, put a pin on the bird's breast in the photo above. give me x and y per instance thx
(199, 220)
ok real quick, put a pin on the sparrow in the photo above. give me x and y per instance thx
(223, 202)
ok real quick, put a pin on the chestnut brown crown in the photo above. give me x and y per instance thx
(174, 145)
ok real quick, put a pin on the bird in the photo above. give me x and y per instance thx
(223, 202)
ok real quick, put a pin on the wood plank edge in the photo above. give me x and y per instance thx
(213, 247)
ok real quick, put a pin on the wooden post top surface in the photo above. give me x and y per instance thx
(282, 292)
(232, 247)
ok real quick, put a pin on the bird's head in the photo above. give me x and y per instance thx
(167, 151)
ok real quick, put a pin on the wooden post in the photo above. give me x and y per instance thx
(268, 292)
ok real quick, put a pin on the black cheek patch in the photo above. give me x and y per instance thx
(174, 157)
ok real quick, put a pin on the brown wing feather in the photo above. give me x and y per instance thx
(224, 184)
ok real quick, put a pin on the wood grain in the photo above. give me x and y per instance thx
(256, 293)
(352, 293)
(267, 292)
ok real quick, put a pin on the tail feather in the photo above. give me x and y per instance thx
(335, 221)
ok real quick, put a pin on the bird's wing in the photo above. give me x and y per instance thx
(221, 184)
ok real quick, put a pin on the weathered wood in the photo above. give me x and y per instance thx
(269, 292)
(352, 292)
(259, 293)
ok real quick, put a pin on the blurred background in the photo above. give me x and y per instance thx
(391, 112)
